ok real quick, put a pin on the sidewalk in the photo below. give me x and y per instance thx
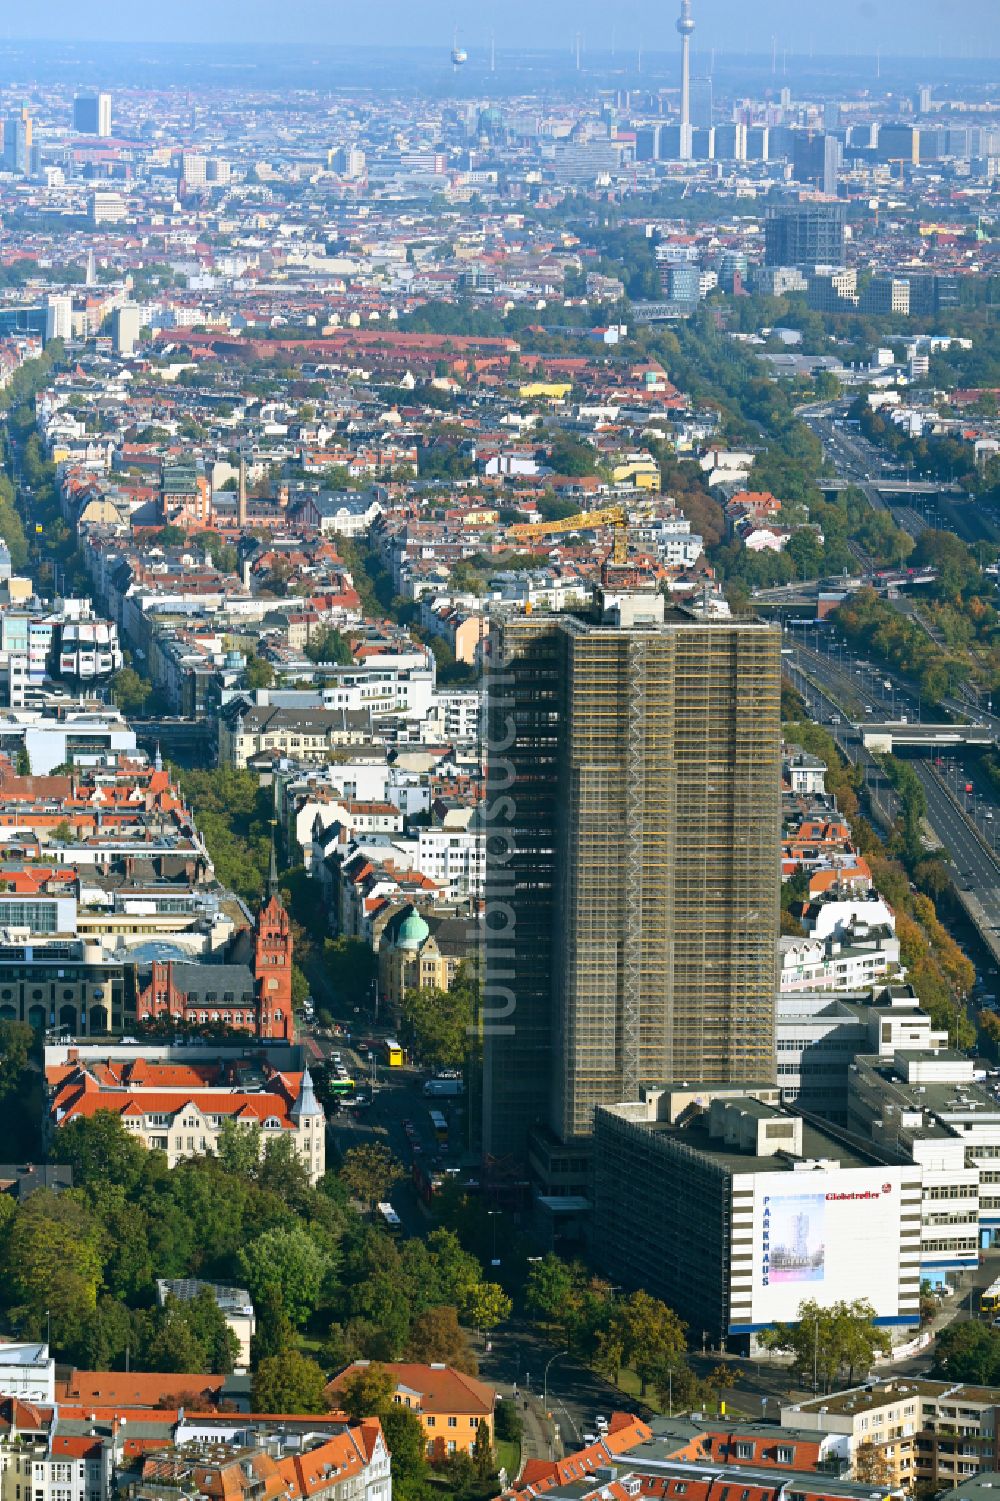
(536, 1438)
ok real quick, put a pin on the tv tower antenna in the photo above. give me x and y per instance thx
(685, 26)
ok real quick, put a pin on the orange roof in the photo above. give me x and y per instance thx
(141, 1388)
(441, 1389)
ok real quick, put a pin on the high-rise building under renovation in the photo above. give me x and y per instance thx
(638, 881)
(805, 234)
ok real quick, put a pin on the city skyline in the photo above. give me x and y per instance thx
(916, 29)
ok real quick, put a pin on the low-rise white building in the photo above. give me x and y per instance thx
(808, 964)
(28, 1372)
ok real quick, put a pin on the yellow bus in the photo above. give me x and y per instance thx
(393, 1053)
(989, 1301)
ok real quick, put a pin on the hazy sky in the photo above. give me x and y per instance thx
(960, 28)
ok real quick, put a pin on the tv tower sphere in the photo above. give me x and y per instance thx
(685, 24)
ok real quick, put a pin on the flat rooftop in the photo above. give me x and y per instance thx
(878, 1394)
(816, 1144)
(943, 1097)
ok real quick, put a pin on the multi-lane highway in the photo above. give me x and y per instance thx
(839, 688)
(976, 867)
(915, 504)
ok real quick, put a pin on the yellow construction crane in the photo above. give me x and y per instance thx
(614, 516)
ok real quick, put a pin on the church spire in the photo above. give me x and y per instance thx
(272, 874)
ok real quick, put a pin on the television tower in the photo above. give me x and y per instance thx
(685, 25)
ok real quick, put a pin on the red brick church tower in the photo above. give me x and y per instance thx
(272, 965)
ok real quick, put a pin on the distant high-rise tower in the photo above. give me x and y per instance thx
(17, 141)
(816, 158)
(92, 115)
(241, 494)
(685, 25)
(702, 104)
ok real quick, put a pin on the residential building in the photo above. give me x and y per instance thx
(700, 1457)
(421, 949)
(450, 1405)
(927, 1434)
(811, 964)
(58, 317)
(126, 324)
(107, 1448)
(179, 1108)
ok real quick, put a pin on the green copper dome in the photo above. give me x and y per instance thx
(413, 931)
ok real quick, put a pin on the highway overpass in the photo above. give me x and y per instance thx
(884, 738)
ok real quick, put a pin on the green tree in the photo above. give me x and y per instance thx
(239, 1147)
(550, 1289)
(328, 645)
(289, 1260)
(274, 1331)
(453, 1272)
(207, 1323)
(404, 1436)
(103, 1336)
(841, 1337)
(437, 1025)
(483, 1457)
(653, 1335)
(54, 1261)
(128, 1263)
(100, 1150)
(189, 1336)
(571, 456)
(488, 1305)
(258, 673)
(968, 1351)
(349, 964)
(367, 1392)
(283, 1171)
(16, 1040)
(369, 1171)
(130, 691)
(436, 1335)
(289, 1382)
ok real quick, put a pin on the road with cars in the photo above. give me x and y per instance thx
(915, 502)
(844, 693)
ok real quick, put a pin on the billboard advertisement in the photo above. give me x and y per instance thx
(822, 1236)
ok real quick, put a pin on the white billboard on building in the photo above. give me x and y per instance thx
(825, 1236)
